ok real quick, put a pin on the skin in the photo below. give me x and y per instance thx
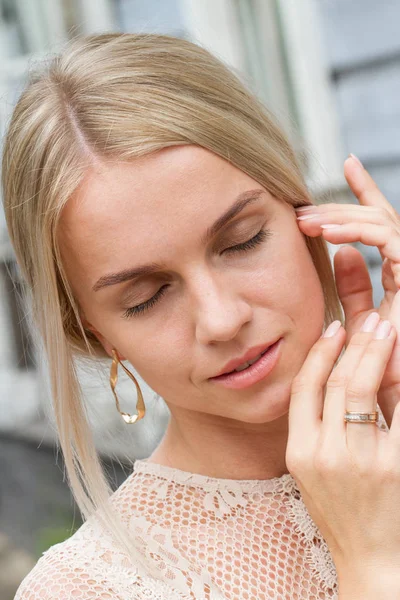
(374, 222)
(217, 305)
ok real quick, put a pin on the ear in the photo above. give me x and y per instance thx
(108, 347)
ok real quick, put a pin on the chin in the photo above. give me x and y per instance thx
(267, 405)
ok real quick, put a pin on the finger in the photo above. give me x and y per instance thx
(387, 277)
(328, 207)
(384, 237)
(346, 213)
(390, 291)
(315, 220)
(335, 399)
(394, 318)
(361, 393)
(306, 402)
(394, 432)
(364, 187)
(354, 287)
(389, 391)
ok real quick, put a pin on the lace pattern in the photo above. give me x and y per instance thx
(195, 538)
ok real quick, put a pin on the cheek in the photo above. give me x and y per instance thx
(292, 282)
(158, 359)
(307, 296)
(286, 270)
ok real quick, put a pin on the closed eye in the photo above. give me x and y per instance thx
(259, 238)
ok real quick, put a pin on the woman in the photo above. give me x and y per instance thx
(150, 199)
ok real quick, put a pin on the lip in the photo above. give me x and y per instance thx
(253, 374)
(236, 362)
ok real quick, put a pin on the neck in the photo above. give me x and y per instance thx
(223, 448)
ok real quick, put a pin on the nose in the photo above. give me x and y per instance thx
(221, 310)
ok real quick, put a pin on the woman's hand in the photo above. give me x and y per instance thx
(375, 223)
(348, 473)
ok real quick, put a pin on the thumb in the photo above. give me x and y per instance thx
(353, 284)
(394, 313)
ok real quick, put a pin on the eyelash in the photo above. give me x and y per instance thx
(259, 238)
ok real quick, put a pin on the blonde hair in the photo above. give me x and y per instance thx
(121, 96)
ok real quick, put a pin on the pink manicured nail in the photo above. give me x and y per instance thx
(332, 329)
(302, 209)
(357, 159)
(304, 217)
(371, 322)
(383, 330)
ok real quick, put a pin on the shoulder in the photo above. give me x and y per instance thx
(89, 566)
(83, 567)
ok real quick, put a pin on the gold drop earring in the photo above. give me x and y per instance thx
(140, 406)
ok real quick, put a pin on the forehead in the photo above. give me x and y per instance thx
(128, 209)
(183, 182)
(165, 180)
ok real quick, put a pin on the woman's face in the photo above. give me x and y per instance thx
(212, 302)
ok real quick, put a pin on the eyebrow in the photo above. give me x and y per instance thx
(243, 200)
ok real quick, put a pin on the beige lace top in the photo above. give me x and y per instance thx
(196, 537)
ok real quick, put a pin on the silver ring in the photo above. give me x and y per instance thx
(357, 417)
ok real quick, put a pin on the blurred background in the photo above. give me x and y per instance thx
(329, 70)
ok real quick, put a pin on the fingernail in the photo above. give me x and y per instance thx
(356, 159)
(383, 330)
(371, 322)
(329, 226)
(304, 208)
(304, 217)
(332, 329)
